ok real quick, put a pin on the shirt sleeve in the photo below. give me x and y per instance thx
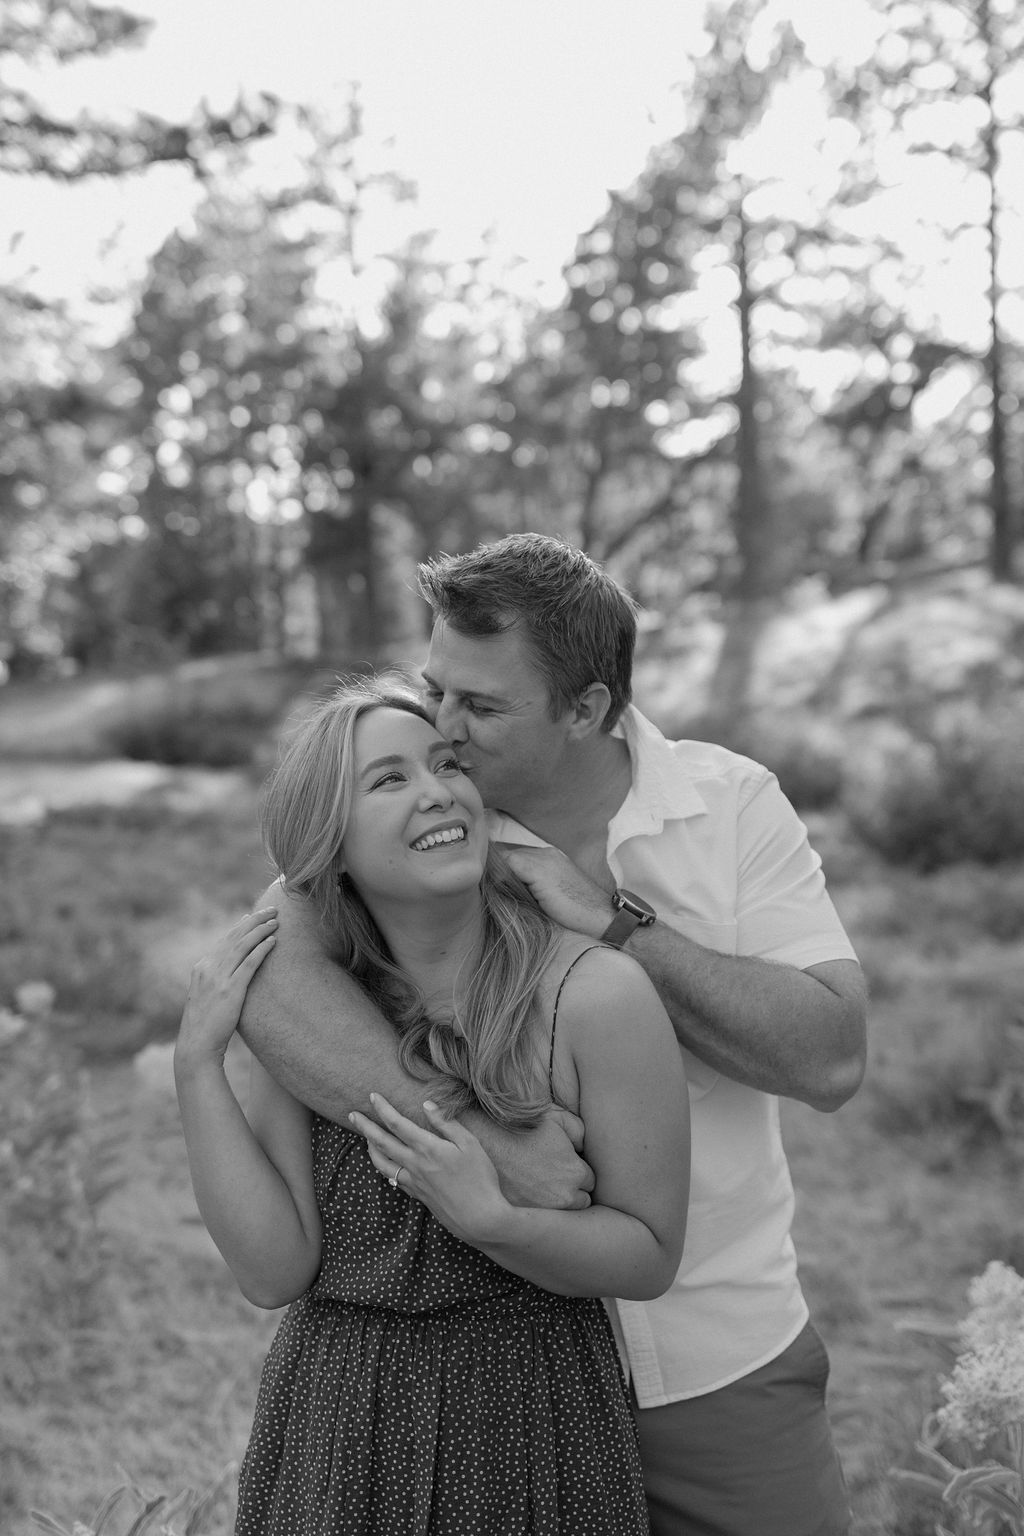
(784, 912)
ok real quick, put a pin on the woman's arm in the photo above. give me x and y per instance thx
(633, 1100)
(256, 1199)
(317, 1032)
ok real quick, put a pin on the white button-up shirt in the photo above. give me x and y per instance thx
(708, 838)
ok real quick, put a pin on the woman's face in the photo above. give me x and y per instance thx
(416, 828)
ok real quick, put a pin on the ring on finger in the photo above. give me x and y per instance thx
(393, 1180)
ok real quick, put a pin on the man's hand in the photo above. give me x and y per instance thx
(541, 1167)
(567, 895)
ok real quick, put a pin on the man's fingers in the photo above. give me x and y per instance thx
(571, 1124)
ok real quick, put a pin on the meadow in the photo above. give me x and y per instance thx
(126, 1353)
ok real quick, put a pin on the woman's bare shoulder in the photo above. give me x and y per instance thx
(593, 973)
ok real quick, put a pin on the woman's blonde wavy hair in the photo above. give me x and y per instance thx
(485, 1057)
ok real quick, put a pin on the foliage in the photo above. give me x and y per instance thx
(89, 889)
(54, 1171)
(188, 733)
(187, 1513)
(974, 1444)
(35, 142)
(942, 81)
(947, 791)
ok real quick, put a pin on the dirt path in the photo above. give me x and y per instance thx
(30, 789)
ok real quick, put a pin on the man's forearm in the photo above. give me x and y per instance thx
(799, 1034)
(315, 1029)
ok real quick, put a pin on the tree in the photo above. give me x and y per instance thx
(944, 79)
(35, 141)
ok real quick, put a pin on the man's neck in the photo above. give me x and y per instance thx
(575, 814)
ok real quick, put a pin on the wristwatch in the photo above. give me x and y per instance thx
(631, 912)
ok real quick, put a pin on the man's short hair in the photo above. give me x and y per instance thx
(579, 624)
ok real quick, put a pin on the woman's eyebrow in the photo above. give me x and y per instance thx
(381, 762)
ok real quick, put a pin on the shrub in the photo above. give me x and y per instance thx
(54, 1171)
(192, 733)
(973, 1445)
(187, 1513)
(948, 794)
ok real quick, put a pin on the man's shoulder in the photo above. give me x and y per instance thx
(709, 763)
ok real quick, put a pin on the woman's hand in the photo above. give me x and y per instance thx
(445, 1167)
(217, 989)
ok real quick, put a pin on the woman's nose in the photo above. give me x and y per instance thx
(436, 791)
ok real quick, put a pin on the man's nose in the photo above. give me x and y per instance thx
(450, 721)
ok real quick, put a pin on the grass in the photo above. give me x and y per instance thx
(127, 1352)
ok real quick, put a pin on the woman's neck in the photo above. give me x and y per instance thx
(438, 948)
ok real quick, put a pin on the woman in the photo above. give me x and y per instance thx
(443, 1367)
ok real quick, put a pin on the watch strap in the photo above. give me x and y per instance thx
(619, 929)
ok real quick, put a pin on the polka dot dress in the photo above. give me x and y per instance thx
(418, 1389)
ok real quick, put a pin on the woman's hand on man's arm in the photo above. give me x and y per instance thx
(316, 1031)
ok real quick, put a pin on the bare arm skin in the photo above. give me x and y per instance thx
(798, 1034)
(316, 1032)
(617, 1052)
(254, 1191)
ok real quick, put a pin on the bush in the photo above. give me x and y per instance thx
(192, 733)
(947, 794)
(54, 1171)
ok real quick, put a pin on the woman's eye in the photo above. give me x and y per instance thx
(393, 777)
(449, 765)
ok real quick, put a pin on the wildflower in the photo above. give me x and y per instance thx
(997, 1308)
(985, 1392)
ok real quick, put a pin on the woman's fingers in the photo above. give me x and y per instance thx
(392, 1148)
(254, 959)
(452, 1130)
(252, 930)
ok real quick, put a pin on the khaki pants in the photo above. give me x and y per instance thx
(753, 1459)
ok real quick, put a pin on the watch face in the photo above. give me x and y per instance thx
(627, 901)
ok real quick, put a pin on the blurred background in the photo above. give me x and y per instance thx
(730, 293)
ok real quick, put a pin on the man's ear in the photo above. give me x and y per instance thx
(587, 715)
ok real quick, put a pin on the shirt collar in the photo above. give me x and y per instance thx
(662, 788)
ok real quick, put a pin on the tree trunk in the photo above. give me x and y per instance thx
(339, 558)
(1003, 532)
(748, 613)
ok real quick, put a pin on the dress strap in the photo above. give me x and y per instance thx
(554, 1011)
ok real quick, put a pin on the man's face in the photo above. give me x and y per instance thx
(491, 703)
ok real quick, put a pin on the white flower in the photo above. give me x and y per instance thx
(997, 1308)
(985, 1392)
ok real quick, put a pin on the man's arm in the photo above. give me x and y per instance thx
(318, 1034)
(796, 1033)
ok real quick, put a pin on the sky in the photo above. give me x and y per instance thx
(512, 118)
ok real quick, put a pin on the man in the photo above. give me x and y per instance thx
(690, 857)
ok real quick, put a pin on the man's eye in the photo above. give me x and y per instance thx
(478, 709)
